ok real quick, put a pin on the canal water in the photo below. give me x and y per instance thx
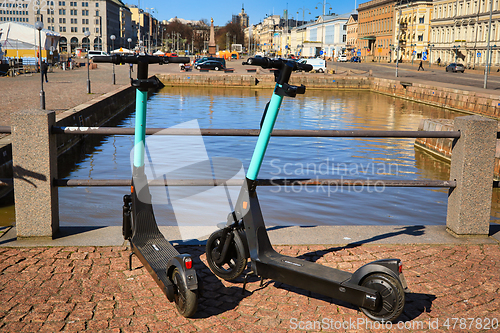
(347, 158)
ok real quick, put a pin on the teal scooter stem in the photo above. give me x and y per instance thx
(140, 127)
(264, 135)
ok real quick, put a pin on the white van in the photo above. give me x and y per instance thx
(94, 53)
(319, 65)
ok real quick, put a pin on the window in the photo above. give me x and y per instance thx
(344, 28)
(96, 30)
(74, 12)
(85, 21)
(73, 3)
(420, 38)
(344, 38)
(97, 4)
(421, 19)
(96, 13)
(85, 4)
(62, 20)
(74, 21)
(62, 11)
(62, 29)
(85, 29)
(74, 29)
(62, 3)
(85, 12)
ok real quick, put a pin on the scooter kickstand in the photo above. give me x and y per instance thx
(130, 261)
(245, 282)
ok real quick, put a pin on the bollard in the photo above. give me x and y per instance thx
(472, 162)
(34, 163)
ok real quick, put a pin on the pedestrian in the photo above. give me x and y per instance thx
(420, 66)
(439, 61)
(44, 68)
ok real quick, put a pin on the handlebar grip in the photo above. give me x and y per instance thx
(178, 60)
(110, 59)
(262, 62)
(305, 67)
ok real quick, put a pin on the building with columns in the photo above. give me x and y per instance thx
(459, 31)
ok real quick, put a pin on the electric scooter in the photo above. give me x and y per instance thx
(378, 288)
(173, 272)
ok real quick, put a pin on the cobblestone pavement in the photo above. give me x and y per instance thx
(454, 288)
(65, 89)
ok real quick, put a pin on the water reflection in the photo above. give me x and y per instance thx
(348, 158)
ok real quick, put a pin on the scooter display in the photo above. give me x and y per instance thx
(378, 287)
(173, 272)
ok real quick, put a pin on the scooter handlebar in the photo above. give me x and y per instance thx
(134, 59)
(265, 62)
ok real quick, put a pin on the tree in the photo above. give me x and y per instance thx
(231, 33)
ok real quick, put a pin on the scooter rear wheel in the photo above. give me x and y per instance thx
(235, 263)
(186, 300)
(392, 293)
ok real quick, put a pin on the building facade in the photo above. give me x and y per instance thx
(102, 18)
(376, 30)
(412, 29)
(459, 32)
(352, 36)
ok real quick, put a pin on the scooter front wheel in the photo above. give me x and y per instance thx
(392, 293)
(235, 262)
(186, 300)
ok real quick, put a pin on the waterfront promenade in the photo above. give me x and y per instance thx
(53, 286)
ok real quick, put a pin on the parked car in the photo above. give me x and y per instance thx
(355, 59)
(342, 58)
(454, 67)
(319, 65)
(221, 60)
(210, 64)
(93, 53)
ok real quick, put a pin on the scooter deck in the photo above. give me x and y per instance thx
(314, 277)
(152, 249)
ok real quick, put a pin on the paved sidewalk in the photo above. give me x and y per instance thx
(65, 89)
(51, 289)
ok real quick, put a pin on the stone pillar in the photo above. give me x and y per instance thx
(34, 160)
(472, 162)
(211, 43)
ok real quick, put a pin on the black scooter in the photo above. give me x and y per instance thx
(173, 272)
(378, 288)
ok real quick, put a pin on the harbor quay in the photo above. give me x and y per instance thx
(79, 280)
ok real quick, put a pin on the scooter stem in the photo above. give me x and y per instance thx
(264, 136)
(141, 100)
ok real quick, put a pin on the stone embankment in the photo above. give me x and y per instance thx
(466, 101)
(441, 147)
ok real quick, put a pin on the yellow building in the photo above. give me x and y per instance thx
(414, 19)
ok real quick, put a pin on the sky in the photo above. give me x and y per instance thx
(222, 11)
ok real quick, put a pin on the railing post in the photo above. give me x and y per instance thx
(472, 162)
(34, 161)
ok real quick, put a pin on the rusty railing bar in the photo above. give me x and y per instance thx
(261, 182)
(5, 129)
(255, 132)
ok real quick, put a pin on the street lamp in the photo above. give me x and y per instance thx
(39, 27)
(113, 37)
(323, 22)
(429, 45)
(87, 34)
(488, 49)
(129, 40)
